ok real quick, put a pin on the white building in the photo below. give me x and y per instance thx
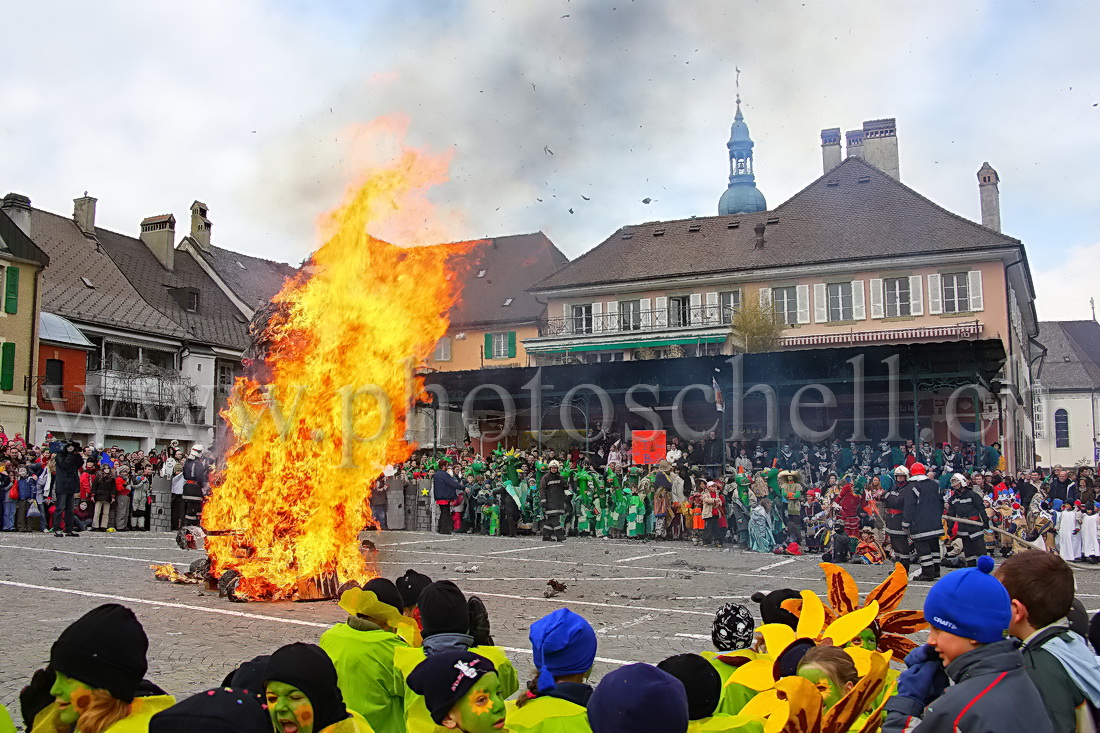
(1067, 395)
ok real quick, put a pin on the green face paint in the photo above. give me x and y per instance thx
(290, 709)
(73, 698)
(830, 694)
(482, 709)
(865, 639)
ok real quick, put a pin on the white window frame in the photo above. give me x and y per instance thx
(729, 302)
(898, 298)
(630, 315)
(580, 314)
(442, 349)
(785, 304)
(681, 303)
(840, 301)
(956, 292)
(500, 345)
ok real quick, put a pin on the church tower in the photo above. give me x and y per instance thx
(742, 196)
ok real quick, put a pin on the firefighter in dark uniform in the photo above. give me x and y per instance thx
(923, 519)
(894, 502)
(552, 492)
(967, 503)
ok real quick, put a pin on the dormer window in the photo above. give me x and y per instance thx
(192, 301)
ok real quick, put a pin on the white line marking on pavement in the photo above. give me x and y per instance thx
(166, 604)
(694, 636)
(605, 660)
(93, 554)
(626, 624)
(466, 579)
(567, 601)
(418, 542)
(646, 557)
(136, 547)
(705, 598)
(788, 561)
(525, 549)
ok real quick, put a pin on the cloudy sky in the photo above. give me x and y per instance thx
(252, 107)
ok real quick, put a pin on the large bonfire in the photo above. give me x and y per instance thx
(318, 421)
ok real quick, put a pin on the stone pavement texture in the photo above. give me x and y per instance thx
(647, 600)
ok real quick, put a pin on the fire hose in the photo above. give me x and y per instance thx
(1016, 540)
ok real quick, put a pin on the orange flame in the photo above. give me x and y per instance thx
(347, 334)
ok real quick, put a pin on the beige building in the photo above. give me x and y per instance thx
(21, 265)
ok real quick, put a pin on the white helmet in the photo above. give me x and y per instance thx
(901, 471)
(960, 478)
(197, 448)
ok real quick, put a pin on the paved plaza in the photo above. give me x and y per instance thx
(647, 600)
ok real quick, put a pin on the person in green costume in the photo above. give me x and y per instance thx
(94, 678)
(564, 647)
(362, 650)
(446, 615)
(704, 688)
(302, 695)
(461, 691)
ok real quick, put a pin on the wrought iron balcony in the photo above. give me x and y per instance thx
(642, 321)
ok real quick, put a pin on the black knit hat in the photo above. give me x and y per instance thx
(443, 679)
(443, 609)
(771, 609)
(224, 710)
(105, 648)
(385, 590)
(410, 586)
(701, 681)
(307, 667)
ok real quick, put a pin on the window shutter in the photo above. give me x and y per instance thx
(713, 309)
(612, 321)
(916, 295)
(511, 344)
(7, 363)
(821, 303)
(11, 292)
(566, 321)
(802, 301)
(765, 297)
(695, 312)
(488, 346)
(597, 317)
(660, 312)
(935, 294)
(859, 303)
(974, 282)
(878, 308)
(646, 306)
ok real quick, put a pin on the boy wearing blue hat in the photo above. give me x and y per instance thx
(564, 647)
(969, 612)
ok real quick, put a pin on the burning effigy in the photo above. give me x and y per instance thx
(324, 411)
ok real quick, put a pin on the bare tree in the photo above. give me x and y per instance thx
(756, 327)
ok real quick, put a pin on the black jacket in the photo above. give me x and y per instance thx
(894, 503)
(67, 478)
(966, 504)
(923, 515)
(552, 491)
(992, 693)
(445, 486)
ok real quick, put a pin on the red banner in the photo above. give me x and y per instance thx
(648, 446)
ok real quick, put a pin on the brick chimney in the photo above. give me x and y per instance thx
(990, 193)
(18, 208)
(880, 146)
(84, 214)
(159, 235)
(853, 143)
(830, 149)
(200, 226)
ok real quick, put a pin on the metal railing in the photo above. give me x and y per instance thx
(78, 401)
(636, 320)
(58, 399)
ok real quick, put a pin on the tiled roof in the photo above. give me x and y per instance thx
(853, 212)
(111, 301)
(217, 321)
(252, 279)
(1073, 355)
(508, 267)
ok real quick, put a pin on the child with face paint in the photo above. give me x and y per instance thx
(98, 664)
(362, 650)
(461, 691)
(831, 670)
(302, 695)
(446, 616)
(564, 646)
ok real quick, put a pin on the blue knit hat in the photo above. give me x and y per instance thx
(638, 697)
(564, 644)
(970, 603)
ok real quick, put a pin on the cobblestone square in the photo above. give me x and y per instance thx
(647, 600)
